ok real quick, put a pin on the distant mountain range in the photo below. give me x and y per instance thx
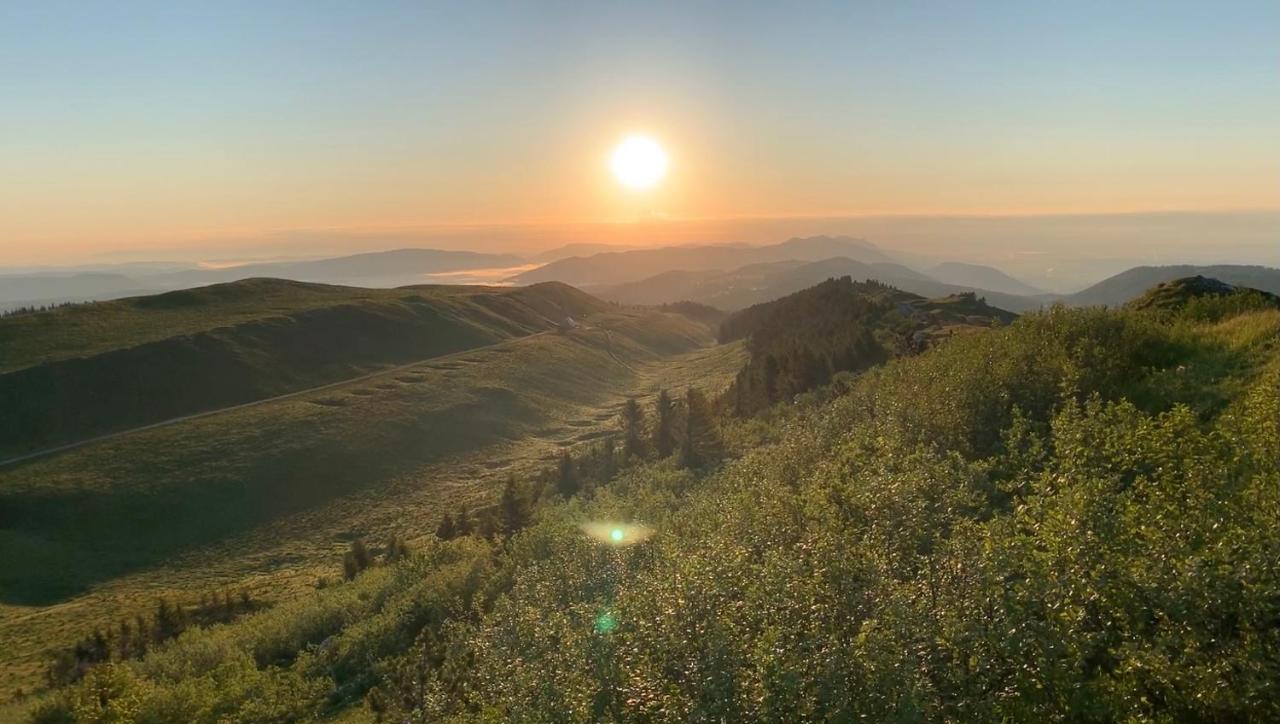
(982, 277)
(612, 268)
(725, 276)
(757, 283)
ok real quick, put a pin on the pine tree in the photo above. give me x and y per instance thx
(567, 482)
(361, 553)
(143, 638)
(125, 647)
(632, 429)
(701, 443)
(446, 530)
(168, 620)
(664, 425)
(511, 509)
(350, 569)
(100, 647)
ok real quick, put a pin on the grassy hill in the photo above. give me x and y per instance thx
(1072, 516)
(1199, 296)
(76, 372)
(802, 340)
(1132, 283)
(266, 496)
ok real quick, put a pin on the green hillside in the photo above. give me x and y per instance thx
(261, 496)
(802, 340)
(1070, 516)
(1202, 297)
(77, 372)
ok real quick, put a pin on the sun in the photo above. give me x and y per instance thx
(638, 162)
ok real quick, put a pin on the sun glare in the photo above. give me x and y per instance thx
(638, 162)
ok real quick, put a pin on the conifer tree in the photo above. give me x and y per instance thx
(446, 530)
(632, 429)
(701, 443)
(511, 509)
(168, 620)
(567, 482)
(664, 425)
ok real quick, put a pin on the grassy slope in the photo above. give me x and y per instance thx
(771, 547)
(76, 372)
(267, 496)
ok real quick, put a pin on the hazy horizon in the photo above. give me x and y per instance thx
(1058, 251)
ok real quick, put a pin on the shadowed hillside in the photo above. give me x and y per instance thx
(1200, 296)
(799, 342)
(77, 372)
(99, 511)
(758, 283)
(1134, 282)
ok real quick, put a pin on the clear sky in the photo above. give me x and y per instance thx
(153, 125)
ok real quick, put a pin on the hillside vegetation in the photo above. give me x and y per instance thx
(801, 341)
(1072, 516)
(1200, 297)
(258, 499)
(1132, 283)
(76, 372)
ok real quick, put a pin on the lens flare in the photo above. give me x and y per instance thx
(616, 534)
(606, 623)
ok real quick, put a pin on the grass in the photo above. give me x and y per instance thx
(266, 498)
(75, 373)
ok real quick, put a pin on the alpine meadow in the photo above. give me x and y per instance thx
(640, 362)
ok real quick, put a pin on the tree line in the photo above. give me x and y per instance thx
(132, 638)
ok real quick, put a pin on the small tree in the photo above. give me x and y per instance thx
(446, 530)
(664, 425)
(349, 567)
(356, 559)
(511, 509)
(168, 620)
(567, 483)
(701, 443)
(632, 429)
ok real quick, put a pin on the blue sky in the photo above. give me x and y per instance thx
(157, 123)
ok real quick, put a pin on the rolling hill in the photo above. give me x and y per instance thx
(262, 496)
(800, 341)
(77, 372)
(1182, 294)
(612, 268)
(980, 276)
(754, 284)
(1130, 284)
